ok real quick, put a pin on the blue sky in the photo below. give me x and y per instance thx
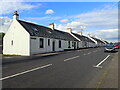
(61, 9)
(96, 18)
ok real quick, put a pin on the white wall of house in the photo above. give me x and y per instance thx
(91, 44)
(71, 45)
(80, 45)
(17, 40)
(57, 45)
(35, 45)
(96, 43)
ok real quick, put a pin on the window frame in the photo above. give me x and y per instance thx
(48, 42)
(41, 43)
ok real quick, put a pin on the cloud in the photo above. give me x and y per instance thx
(10, 7)
(76, 26)
(64, 20)
(46, 18)
(105, 33)
(49, 11)
(104, 21)
(4, 24)
(105, 18)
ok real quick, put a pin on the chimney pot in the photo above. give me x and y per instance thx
(80, 33)
(16, 15)
(69, 30)
(88, 35)
(52, 26)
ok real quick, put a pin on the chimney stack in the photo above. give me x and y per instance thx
(69, 30)
(15, 16)
(52, 26)
(88, 35)
(80, 33)
(93, 36)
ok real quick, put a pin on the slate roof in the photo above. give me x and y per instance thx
(42, 31)
(106, 42)
(83, 38)
(98, 40)
(66, 35)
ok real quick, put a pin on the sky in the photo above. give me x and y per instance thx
(99, 19)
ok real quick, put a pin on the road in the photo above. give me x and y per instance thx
(70, 69)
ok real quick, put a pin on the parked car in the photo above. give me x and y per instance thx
(116, 46)
(109, 48)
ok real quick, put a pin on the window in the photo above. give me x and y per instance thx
(69, 44)
(59, 43)
(41, 43)
(48, 42)
(12, 42)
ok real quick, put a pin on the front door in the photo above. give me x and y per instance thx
(74, 45)
(53, 46)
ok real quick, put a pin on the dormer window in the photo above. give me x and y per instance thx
(35, 29)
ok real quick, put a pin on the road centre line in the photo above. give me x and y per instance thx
(89, 53)
(71, 58)
(31, 70)
(98, 65)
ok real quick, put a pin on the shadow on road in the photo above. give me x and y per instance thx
(24, 59)
(111, 51)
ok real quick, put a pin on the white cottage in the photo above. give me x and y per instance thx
(98, 42)
(84, 42)
(25, 38)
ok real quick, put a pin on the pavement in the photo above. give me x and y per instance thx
(6, 59)
(70, 69)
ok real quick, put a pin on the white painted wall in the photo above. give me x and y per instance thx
(35, 45)
(21, 40)
(66, 45)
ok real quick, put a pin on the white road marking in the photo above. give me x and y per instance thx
(84, 54)
(31, 70)
(71, 58)
(98, 65)
(89, 53)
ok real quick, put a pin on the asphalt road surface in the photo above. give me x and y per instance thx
(70, 69)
